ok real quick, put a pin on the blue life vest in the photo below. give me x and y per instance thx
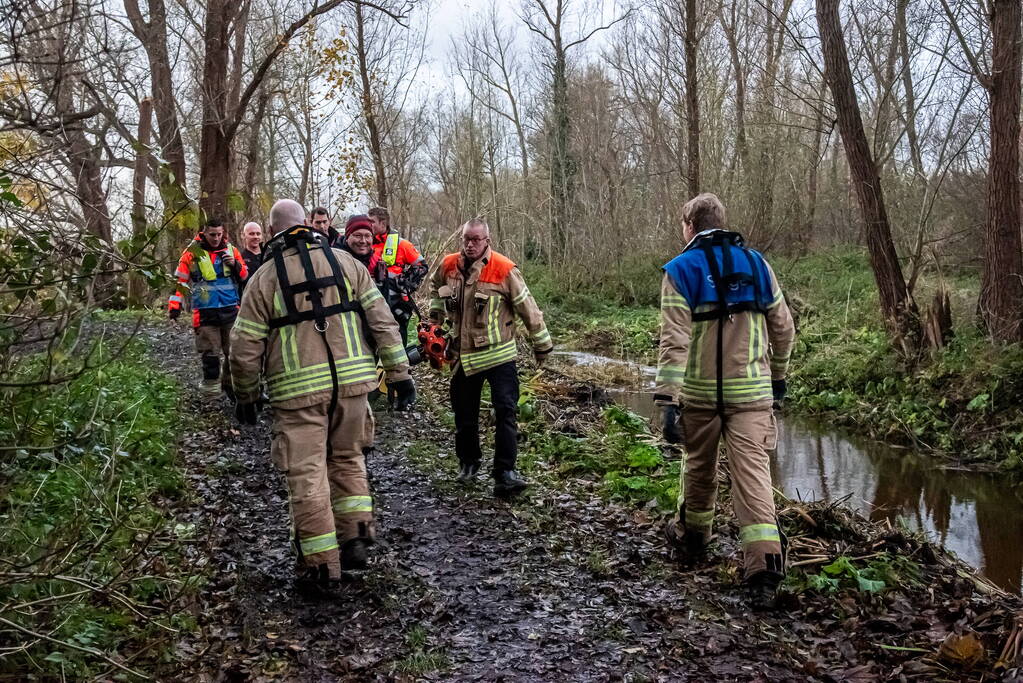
(212, 283)
(717, 269)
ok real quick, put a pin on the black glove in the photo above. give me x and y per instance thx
(174, 313)
(541, 357)
(778, 389)
(404, 394)
(246, 413)
(672, 429)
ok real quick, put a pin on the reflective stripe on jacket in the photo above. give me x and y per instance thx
(296, 366)
(755, 350)
(212, 283)
(480, 307)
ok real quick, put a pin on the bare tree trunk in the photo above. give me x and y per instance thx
(1001, 290)
(731, 31)
(909, 92)
(812, 181)
(238, 28)
(141, 171)
(897, 307)
(692, 101)
(215, 147)
(368, 111)
(137, 286)
(252, 151)
(562, 166)
(153, 35)
(766, 163)
(307, 155)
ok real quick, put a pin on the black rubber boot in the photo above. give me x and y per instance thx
(315, 582)
(354, 554)
(690, 547)
(467, 471)
(508, 483)
(763, 591)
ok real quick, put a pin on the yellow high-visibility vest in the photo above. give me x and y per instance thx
(390, 255)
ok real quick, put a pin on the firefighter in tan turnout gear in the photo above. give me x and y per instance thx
(310, 321)
(726, 334)
(479, 293)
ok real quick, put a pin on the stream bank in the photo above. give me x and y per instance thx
(976, 515)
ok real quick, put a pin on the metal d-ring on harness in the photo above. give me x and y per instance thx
(304, 239)
(723, 281)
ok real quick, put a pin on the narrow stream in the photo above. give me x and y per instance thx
(975, 515)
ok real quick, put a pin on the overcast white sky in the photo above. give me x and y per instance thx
(448, 17)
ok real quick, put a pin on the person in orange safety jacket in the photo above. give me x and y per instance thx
(212, 271)
(406, 268)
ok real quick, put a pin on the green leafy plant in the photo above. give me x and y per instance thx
(883, 572)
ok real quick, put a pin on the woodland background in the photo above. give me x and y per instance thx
(869, 148)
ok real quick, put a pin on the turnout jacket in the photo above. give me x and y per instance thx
(479, 306)
(755, 344)
(293, 357)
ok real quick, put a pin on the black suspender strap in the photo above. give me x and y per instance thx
(754, 273)
(304, 242)
(722, 308)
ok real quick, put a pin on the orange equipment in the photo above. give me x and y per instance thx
(433, 343)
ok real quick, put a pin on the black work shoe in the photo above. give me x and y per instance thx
(315, 582)
(467, 471)
(763, 591)
(691, 547)
(508, 483)
(354, 554)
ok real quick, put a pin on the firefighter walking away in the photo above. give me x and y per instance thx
(314, 322)
(726, 334)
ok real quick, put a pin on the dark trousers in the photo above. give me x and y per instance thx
(465, 401)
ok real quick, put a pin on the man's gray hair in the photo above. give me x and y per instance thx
(286, 213)
(475, 223)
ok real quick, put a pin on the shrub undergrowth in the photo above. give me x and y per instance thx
(619, 449)
(91, 575)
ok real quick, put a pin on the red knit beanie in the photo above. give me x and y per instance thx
(358, 222)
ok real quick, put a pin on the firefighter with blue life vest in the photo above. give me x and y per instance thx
(726, 335)
(405, 268)
(211, 273)
(313, 321)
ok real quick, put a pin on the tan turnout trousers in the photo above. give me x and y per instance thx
(748, 435)
(330, 498)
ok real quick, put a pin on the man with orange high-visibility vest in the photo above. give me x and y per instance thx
(477, 294)
(406, 268)
(212, 271)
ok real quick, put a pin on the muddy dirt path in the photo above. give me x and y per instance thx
(556, 585)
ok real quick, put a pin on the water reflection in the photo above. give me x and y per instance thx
(974, 515)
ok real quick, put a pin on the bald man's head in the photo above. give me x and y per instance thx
(286, 213)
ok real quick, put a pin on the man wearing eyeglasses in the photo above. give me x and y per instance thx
(477, 294)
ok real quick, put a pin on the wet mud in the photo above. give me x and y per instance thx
(558, 584)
